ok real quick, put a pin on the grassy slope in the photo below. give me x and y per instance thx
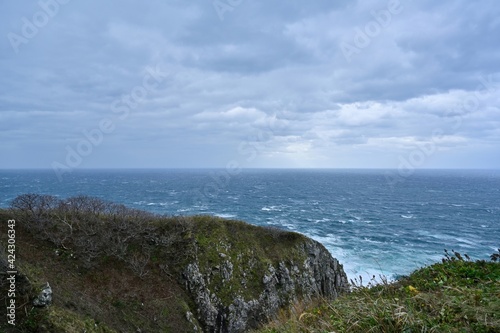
(456, 295)
(109, 296)
(92, 299)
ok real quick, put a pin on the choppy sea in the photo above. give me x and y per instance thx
(374, 221)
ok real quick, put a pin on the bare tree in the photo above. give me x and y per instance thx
(92, 228)
(34, 206)
(138, 262)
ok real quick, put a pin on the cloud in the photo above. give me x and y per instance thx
(270, 81)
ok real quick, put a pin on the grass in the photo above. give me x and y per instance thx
(113, 268)
(456, 295)
(108, 296)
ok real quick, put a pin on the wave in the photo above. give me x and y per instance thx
(183, 210)
(225, 215)
(279, 208)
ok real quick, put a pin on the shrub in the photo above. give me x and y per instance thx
(90, 228)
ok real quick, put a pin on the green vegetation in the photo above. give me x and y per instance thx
(456, 295)
(110, 267)
(113, 268)
(220, 242)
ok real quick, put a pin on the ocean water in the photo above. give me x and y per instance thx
(371, 223)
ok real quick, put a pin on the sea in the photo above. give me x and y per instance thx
(382, 223)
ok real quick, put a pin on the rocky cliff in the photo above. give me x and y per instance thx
(112, 269)
(239, 281)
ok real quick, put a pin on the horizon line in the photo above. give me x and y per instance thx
(248, 168)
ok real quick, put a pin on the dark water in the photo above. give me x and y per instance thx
(369, 223)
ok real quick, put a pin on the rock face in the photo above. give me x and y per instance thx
(238, 288)
(44, 298)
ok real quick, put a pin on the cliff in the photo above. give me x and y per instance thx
(111, 268)
(240, 278)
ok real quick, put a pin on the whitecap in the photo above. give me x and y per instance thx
(271, 208)
(465, 241)
(366, 239)
(225, 215)
(436, 236)
(289, 226)
(272, 222)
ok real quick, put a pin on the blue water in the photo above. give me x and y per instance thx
(372, 224)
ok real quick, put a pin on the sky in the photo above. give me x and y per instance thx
(396, 84)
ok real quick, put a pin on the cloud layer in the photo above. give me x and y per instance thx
(263, 84)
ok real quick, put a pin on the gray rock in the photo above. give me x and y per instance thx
(227, 270)
(282, 284)
(44, 298)
(192, 320)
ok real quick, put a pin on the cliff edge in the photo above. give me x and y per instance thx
(115, 269)
(240, 275)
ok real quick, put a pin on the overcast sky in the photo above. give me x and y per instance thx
(331, 84)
